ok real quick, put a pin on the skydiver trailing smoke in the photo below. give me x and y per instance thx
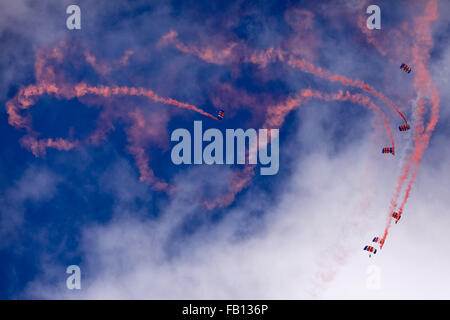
(404, 127)
(396, 216)
(220, 114)
(388, 150)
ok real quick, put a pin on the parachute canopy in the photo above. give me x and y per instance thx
(406, 68)
(370, 249)
(387, 150)
(396, 216)
(404, 127)
(220, 114)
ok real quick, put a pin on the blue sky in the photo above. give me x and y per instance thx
(87, 206)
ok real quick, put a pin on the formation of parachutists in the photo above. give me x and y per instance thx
(395, 215)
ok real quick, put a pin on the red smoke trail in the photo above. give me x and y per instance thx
(105, 68)
(418, 128)
(51, 81)
(235, 53)
(263, 58)
(107, 91)
(426, 91)
(277, 114)
(275, 118)
(422, 143)
(321, 73)
(239, 180)
(27, 96)
(207, 54)
(138, 134)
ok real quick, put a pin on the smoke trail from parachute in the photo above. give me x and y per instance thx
(426, 90)
(263, 58)
(275, 118)
(233, 52)
(50, 81)
(277, 114)
(207, 55)
(411, 166)
(321, 73)
(27, 96)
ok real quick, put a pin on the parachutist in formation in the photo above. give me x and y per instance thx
(371, 250)
(376, 240)
(396, 216)
(385, 150)
(220, 114)
(404, 127)
(406, 68)
(388, 150)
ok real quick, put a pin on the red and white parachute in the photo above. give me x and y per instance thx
(388, 150)
(370, 249)
(406, 68)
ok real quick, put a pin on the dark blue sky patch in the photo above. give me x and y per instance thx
(63, 118)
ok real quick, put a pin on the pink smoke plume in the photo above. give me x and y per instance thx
(235, 53)
(275, 117)
(50, 81)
